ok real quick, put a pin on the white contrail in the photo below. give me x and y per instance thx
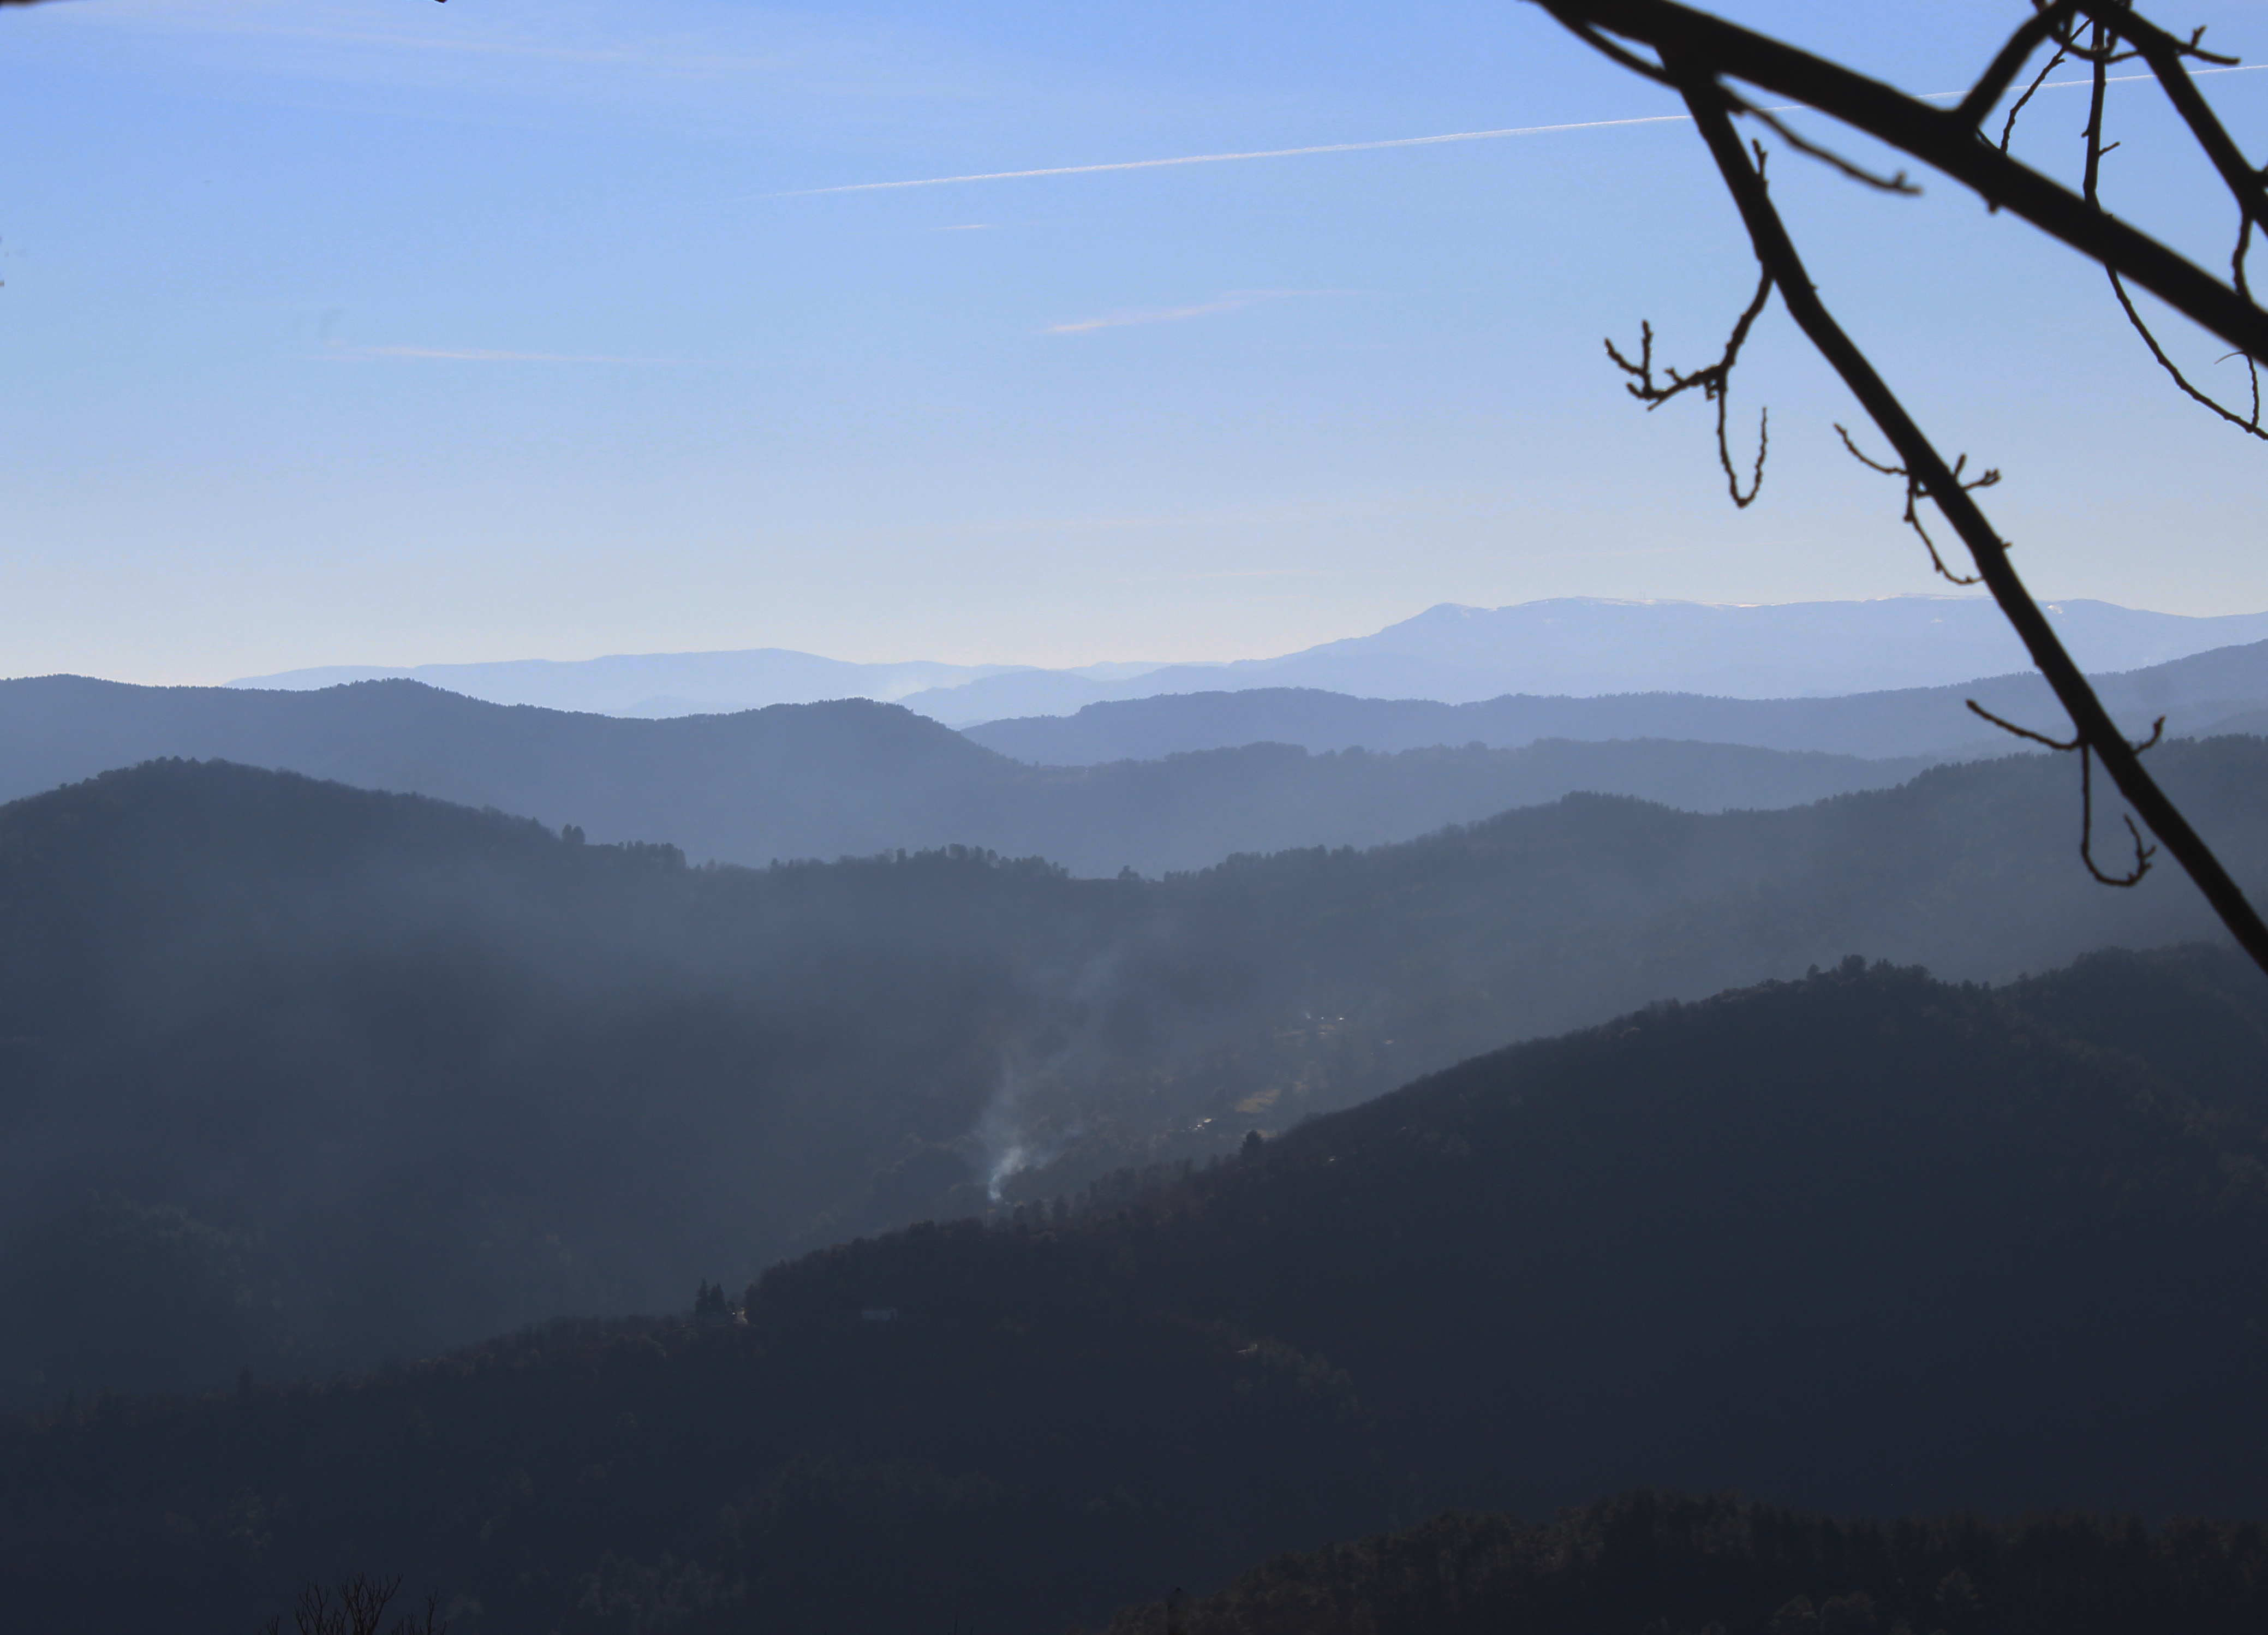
(1372, 147)
(1225, 159)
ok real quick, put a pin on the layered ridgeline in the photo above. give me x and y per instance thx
(1164, 784)
(1568, 645)
(852, 777)
(2224, 690)
(1863, 1242)
(310, 1076)
(1587, 646)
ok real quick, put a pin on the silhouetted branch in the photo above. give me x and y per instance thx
(1915, 492)
(1827, 156)
(2142, 853)
(2007, 725)
(1938, 136)
(1714, 384)
(1994, 82)
(2091, 190)
(357, 1607)
(2008, 127)
(2242, 423)
(2096, 732)
(1696, 51)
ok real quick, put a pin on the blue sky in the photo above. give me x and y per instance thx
(379, 331)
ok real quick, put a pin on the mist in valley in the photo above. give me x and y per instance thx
(944, 820)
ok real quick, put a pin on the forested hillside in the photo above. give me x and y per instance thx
(314, 1077)
(851, 778)
(1865, 1242)
(1680, 1565)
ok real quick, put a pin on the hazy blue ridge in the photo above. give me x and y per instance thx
(1583, 647)
(1579, 647)
(853, 778)
(2198, 693)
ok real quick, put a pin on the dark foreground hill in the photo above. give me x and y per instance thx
(1866, 1242)
(1676, 1565)
(306, 1077)
(2198, 693)
(852, 777)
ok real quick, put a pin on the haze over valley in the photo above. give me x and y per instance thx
(1164, 820)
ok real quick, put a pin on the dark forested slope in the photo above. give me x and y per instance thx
(852, 777)
(1862, 1239)
(1866, 1242)
(1669, 1564)
(312, 1076)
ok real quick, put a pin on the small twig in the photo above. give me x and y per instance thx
(1714, 384)
(2142, 853)
(2007, 725)
(1628, 59)
(2008, 129)
(1826, 156)
(1917, 491)
(1993, 83)
(2250, 425)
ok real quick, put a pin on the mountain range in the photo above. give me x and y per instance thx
(1155, 785)
(2224, 690)
(1579, 647)
(653, 684)
(854, 777)
(1058, 1233)
(309, 1076)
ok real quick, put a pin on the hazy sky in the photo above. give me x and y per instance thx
(379, 331)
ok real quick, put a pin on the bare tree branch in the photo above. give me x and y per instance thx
(1993, 83)
(2096, 732)
(2091, 189)
(1938, 137)
(1715, 384)
(1915, 493)
(2008, 129)
(357, 1607)
(1827, 156)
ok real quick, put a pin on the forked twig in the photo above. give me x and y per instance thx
(1714, 384)
(2143, 852)
(2008, 127)
(1915, 490)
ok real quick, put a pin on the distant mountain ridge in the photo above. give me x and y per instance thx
(651, 684)
(1588, 646)
(2223, 690)
(852, 777)
(1579, 647)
